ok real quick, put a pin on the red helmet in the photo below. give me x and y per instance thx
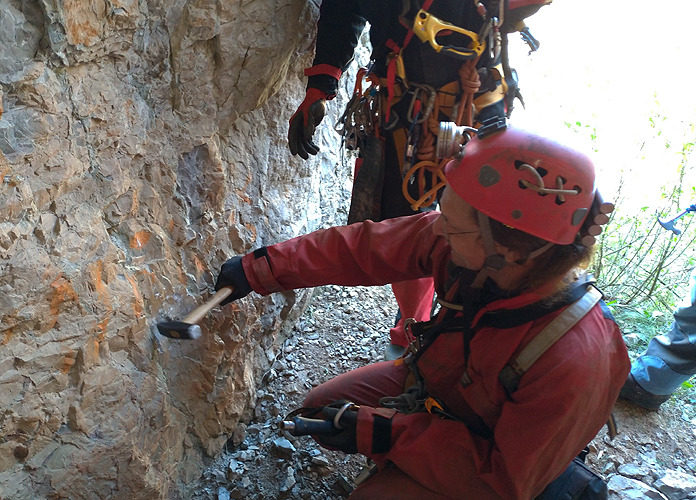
(527, 182)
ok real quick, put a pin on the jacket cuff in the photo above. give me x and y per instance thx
(258, 271)
(373, 430)
(324, 69)
(326, 83)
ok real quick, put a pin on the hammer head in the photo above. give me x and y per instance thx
(179, 330)
(669, 225)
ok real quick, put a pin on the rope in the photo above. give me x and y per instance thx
(411, 401)
(470, 82)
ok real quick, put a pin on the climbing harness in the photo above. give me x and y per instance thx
(489, 90)
(578, 301)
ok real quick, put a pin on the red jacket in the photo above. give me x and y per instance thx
(562, 401)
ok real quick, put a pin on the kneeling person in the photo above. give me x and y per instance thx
(505, 253)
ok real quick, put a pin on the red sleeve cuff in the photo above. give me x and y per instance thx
(373, 431)
(259, 274)
(324, 69)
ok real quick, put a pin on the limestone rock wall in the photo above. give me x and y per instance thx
(142, 144)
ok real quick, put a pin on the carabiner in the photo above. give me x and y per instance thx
(429, 103)
(426, 27)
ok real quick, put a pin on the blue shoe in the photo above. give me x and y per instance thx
(633, 392)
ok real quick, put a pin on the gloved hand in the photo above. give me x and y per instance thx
(345, 439)
(304, 121)
(232, 274)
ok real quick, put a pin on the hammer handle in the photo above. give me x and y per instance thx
(199, 312)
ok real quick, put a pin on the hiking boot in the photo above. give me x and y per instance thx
(633, 392)
(393, 351)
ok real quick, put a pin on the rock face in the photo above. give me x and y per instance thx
(143, 144)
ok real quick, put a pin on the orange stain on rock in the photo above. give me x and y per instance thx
(7, 334)
(138, 298)
(82, 22)
(96, 272)
(199, 264)
(101, 328)
(252, 229)
(140, 239)
(67, 362)
(61, 291)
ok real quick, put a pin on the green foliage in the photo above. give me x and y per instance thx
(641, 267)
(641, 264)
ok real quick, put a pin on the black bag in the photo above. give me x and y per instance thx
(578, 482)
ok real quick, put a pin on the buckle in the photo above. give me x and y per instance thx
(491, 126)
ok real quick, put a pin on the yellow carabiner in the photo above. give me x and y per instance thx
(426, 27)
(430, 403)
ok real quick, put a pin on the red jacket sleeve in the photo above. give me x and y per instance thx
(367, 253)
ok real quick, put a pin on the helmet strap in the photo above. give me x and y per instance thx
(494, 261)
(535, 253)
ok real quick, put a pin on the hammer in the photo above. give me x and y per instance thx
(669, 224)
(187, 327)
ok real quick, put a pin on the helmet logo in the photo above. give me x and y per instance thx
(488, 176)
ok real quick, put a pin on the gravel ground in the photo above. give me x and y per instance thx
(345, 328)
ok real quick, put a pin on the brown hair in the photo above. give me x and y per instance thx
(553, 264)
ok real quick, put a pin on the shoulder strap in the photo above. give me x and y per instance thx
(511, 374)
(509, 318)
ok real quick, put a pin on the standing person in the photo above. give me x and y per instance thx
(441, 60)
(504, 253)
(669, 359)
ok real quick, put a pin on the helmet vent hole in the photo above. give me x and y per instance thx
(519, 165)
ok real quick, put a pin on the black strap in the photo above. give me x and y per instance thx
(381, 434)
(510, 318)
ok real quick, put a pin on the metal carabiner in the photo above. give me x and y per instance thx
(426, 27)
(495, 39)
(429, 103)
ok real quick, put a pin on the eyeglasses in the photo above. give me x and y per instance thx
(448, 233)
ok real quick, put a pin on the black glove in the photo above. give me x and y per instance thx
(232, 274)
(345, 439)
(304, 121)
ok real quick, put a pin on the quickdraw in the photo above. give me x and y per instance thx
(363, 112)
